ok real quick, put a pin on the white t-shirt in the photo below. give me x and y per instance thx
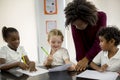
(10, 55)
(59, 56)
(113, 63)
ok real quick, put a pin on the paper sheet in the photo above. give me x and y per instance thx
(98, 75)
(60, 68)
(14, 72)
(39, 71)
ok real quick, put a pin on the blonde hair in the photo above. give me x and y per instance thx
(55, 32)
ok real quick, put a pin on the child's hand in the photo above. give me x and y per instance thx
(72, 67)
(23, 66)
(50, 58)
(2, 60)
(32, 66)
(118, 73)
(103, 68)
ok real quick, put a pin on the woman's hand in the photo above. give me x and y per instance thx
(82, 64)
(32, 66)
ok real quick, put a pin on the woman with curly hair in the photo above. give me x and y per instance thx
(85, 21)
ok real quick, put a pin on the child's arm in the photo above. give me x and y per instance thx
(96, 67)
(31, 64)
(104, 67)
(2, 61)
(7, 66)
(72, 67)
(48, 61)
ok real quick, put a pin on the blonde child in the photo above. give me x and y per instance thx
(58, 55)
(108, 58)
(12, 53)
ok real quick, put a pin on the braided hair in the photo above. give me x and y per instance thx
(6, 31)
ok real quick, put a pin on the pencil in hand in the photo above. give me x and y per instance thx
(23, 58)
(44, 51)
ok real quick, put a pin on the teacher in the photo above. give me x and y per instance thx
(85, 21)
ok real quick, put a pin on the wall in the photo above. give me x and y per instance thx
(41, 25)
(112, 9)
(21, 15)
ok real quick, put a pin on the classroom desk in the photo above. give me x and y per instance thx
(61, 75)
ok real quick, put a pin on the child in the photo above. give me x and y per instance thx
(58, 55)
(12, 53)
(109, 58)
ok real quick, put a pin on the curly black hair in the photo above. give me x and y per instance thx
(110, 32)
(81, 9)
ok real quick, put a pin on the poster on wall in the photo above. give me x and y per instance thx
(50, 24)
(50, 6)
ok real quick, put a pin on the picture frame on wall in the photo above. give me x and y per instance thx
(50, 24)
(50, 7)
